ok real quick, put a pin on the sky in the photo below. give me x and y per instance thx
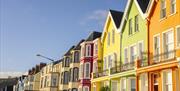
(47, 27)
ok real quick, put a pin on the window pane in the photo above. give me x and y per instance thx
(178, 36)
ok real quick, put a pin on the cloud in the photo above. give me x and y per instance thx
(97, 16)
(11, 74)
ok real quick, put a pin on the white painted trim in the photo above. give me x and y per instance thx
(85, 87)
(168, 70)
(168, 30)
(177, 47)
(135, 45)
(142, 41)
(156, 35)
(127, 54)
(85, 70)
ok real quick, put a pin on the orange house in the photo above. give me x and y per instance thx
(162, 72)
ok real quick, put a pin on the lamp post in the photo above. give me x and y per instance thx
(52, 61)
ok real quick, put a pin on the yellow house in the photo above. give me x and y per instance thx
(110, 41)
(49, 77)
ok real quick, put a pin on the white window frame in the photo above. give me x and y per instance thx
(88, 77)
(140, 55)
(105, 63)
(136, 23)
(130, 32)
(116, 85)
(113, 36)
(157, 35)
(161, 9)
(171, 3)
(177, 45)
(144, 82)
(108, 38)
(94, 88)
(126, 56)
(110, 61)
(88, 50)
(129, 82)
(134, 46)
(122, 85)
(164, 83)
(169, 30)
(81, 68)
(95, 67)
(95, 48)
(84, 87)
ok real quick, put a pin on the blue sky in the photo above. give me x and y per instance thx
(48, 27)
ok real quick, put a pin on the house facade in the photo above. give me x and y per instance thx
(86, 62)
(161, 72)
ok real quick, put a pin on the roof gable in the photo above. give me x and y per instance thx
(116, 18)
(142, 6)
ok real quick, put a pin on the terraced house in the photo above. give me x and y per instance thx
(74, 68)
(86, 61)
(64, 86)
(110, 42)
(49, 76)
(161, 72)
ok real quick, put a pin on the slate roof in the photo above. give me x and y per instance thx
(78, 47)
(69, 51)
(58, 61)
(117, 17)
(93, 35)
(143, 4)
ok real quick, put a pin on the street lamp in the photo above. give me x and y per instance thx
(39, 55)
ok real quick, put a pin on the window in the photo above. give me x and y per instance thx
(167, 80)
(123, 84)
(144, 82)
(75, 74)
(113, 36)
(88, 50)
(45, 81)
(109, 61)
(54, 80)
(85, 88)
(108, 40)
(114, 86)
(71, 74)
(95, 67)
(105, 63)
(168, 44)
(140, 50)
(163, 9)
(125, 55)
(96, 48)
(80, 89)
(178, 36)
(67, 61)
(62, 77)
(81, 71)
(133, 53)
(156, 48)
(76, 57)
(173, 6)
(136, 23)
(133, 84)
(42, 82)
(66, 77)
(82, 51)
(94, 88)
(130, 26)
(87, 70)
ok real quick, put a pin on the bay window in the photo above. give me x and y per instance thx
(87, 70)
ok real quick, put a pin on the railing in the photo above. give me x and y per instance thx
(159, 58)
(122, 68)
(100, 74)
